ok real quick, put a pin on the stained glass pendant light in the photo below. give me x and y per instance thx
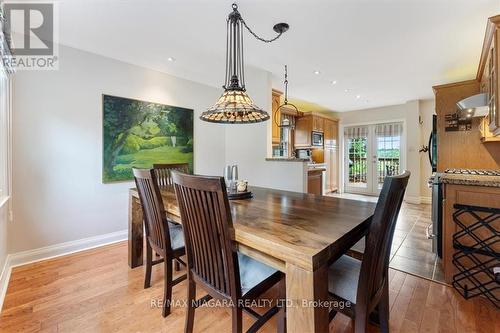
(235, 106)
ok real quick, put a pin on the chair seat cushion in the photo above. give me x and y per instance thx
(176, 236)
(343, 276)
(252, 272)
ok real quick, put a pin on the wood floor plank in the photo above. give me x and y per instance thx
(95, 291)
(414, 311)
(447, 313)
(401, 303)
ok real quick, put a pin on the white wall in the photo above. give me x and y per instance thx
(58, 195)
(427, 109)
(408, 112)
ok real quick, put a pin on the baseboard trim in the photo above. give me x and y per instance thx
(53, 251)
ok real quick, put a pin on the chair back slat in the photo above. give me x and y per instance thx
(157, 232)
(164, 172)
(209, 232)
(374, 267)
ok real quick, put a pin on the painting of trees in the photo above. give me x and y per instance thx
(139, 134)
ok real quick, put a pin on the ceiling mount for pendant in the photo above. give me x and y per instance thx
(235, 106)
(284, 122)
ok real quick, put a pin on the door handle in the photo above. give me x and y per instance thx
(428, 232)
(429, 152)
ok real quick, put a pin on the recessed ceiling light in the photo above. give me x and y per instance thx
(171, 59)
(316, 72)
(358, 96)
(346, 90)
(334, 82)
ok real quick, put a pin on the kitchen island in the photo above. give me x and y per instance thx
(471, 223)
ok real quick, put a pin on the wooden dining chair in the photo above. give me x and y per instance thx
(163, 237)
(365, 284)
(212, 257)
(164, 172)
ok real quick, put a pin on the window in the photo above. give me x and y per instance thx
(5, 138)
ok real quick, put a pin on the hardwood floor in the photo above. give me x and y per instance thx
(95, 291)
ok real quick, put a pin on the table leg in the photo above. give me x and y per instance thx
(135, 232)
(303, 290)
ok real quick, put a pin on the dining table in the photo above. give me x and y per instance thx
(299, 234)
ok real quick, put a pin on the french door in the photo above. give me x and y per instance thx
(371, 152)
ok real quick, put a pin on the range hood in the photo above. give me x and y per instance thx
(473, 106)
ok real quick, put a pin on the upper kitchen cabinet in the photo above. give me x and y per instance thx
(313, 122)
(303, 131)
(276, 101)
(488, 77)
(331, 129)
(318, 123)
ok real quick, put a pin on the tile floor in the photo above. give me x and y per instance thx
(411, 251)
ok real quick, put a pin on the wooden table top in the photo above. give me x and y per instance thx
(293, 227)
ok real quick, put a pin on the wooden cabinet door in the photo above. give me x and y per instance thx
(335, 130)
(331, 169)
(276, 101)
(328, 130)
(334, 170)
(318, 124)
(331, 133)
(314, 182)
(302, 131)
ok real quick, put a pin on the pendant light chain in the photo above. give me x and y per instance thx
(258, 37)
(228, 60)
(281, 122)
(286, 85)
(242, 62)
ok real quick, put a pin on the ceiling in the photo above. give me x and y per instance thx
(384, 51)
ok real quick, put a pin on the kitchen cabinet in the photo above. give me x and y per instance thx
(331, 154)
(313, 122)
(276, 102)
(477, 148)
(331, 132)
(466, 193)
(332, 169)
(486, 134)
(488, 78)
(315, 181)
(303, 129)
(318, 124)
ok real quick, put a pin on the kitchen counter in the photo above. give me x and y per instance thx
(470, 180)
(287, 159)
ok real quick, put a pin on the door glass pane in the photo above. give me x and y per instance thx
(357, 153)
(388, 154)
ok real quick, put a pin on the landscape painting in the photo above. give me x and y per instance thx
(139, 134)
